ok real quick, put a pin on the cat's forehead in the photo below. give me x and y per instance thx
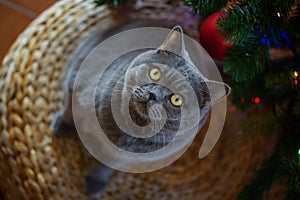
(150, 66)
(157, 56)
(168, 62)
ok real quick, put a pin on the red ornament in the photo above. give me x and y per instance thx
(256, 100)
(212, 39)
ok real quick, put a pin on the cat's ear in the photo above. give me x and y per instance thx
(217, 91)
(174, 42)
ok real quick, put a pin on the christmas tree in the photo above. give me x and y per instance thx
(255, 31)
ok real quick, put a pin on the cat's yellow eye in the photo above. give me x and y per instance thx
(176, 100)
(155, 74)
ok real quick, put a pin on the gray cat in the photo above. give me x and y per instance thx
(126, 76)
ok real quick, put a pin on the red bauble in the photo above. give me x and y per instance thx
(212, 39)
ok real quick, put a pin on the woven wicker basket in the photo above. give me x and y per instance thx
(37, 165)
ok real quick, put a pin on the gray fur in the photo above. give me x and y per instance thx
(142, 97)
(134, 60)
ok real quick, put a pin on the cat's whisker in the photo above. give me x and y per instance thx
(157, 143)
(179, 81)
(163, 139)
(130, 82)
(120, 83)
(118, 91)
(186, 69)
(164, 81)
(124, 85)
(166, 138)
(172, 119)
(171, 75)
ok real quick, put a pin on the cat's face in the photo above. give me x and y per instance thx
(155, 89)
(151, 83)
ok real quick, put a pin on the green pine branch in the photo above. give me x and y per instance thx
(116, 3)
(262, 17)
(206, 7)
(254, 26)
(246, 60)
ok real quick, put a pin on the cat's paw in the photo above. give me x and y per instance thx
(56, 122)
(94, 186)
(60, 127)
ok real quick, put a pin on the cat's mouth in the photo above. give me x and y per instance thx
(138, 111)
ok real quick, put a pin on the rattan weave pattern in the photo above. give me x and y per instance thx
(35, 164)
